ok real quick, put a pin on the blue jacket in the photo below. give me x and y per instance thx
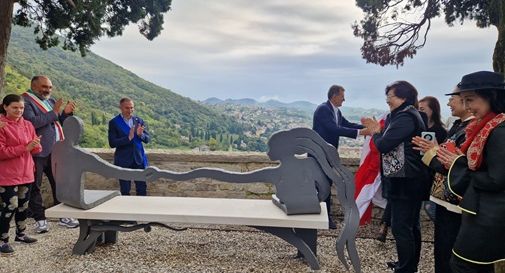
(127, 151)
(324, 124)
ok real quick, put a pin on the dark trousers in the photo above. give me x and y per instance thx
(328, 206)
(14, 200)
(407, 232)
(140, 186)
(386, 216)
(42, 166)
(461, 266)
(447, 225)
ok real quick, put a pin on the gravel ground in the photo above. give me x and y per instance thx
(199, 249)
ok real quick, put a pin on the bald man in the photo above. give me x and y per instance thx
(46, 114)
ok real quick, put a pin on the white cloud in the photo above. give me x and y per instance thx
(293, 50)
(267, 98)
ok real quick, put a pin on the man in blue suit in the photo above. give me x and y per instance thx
(329, 123)
(127, 133)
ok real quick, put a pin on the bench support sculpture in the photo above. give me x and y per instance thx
(301, 184)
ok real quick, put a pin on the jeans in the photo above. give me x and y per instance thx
(407, 232)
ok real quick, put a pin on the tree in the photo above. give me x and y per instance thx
(212, 144)
(78, 23)
(94, 119)
(393, 30)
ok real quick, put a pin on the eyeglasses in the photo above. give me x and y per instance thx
(390, 97)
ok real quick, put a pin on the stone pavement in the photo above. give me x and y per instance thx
(198, 249)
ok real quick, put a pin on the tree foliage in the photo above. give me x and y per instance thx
(78, 23)
(97, 85)
(393, 30)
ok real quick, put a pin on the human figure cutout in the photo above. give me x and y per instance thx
(70, 162)
(295, 180)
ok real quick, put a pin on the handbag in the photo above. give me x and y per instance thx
(393, 162)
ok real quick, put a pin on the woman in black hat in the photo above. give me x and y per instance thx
(477, 175)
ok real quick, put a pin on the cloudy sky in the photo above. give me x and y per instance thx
(288, 50)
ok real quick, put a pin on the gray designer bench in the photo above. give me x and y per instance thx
(294, 214)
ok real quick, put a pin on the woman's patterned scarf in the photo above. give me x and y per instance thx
(477, 133)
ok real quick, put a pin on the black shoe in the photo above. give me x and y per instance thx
(391, 265)
(332, 224)
(6, 249)
(25, 239)
(382, 234)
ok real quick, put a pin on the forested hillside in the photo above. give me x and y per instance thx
(97, 85)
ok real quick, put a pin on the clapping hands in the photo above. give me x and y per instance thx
(371, 125)
(422, 144)
(140, 130)
(32, 144)
(69, 108)
(447, 157)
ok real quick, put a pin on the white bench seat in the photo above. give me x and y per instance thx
(122, 213)
(191, 210)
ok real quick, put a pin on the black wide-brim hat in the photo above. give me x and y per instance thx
(480, 80)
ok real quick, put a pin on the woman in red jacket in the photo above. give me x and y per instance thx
(18, 142)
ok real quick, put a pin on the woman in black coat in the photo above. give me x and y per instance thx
(405, 178)
(477, 175)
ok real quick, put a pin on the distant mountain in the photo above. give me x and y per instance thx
(97, 85)
(216, 101)
(351, 113)
(270, 104)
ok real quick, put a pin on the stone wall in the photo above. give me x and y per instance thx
(186, 161)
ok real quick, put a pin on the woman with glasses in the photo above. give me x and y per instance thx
(405, 178)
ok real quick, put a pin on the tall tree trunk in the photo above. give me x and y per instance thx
(6, 9)
(499, 66)
(499, 49)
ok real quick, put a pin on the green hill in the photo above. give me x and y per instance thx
(97, 85)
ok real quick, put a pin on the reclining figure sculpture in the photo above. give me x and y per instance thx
(301, 182)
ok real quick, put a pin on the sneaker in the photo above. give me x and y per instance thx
(68, 222)
(25, 239)
(6, 249)
(41, 226)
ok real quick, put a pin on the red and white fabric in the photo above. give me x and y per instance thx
(368, 181)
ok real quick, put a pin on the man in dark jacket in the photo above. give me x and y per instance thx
(46, 115)
(127, 133)
(330, 124)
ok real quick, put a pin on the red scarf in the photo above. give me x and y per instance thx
(477, 133)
